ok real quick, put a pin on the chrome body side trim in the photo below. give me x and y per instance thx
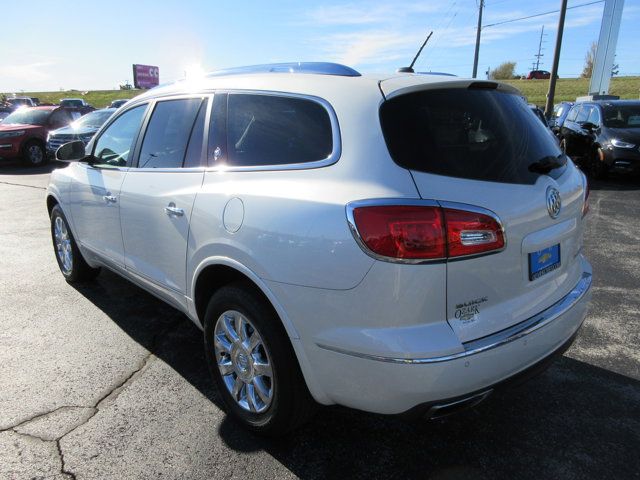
(494, 340)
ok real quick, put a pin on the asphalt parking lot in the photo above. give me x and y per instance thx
(105, 381)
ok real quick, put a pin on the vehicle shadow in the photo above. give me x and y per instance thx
(17, 168)
(573, 421)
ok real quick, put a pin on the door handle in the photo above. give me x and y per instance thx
(110, 199)
(172, 210)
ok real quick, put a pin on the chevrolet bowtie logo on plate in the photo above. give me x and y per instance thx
(544, 258)
(553, 202)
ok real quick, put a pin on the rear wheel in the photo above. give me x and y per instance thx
(34, 154)
(70, 260)
(597, 167)
(252, 362)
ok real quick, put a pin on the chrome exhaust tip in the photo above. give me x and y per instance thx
(445, 409)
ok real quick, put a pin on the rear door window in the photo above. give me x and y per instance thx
(267, 130)
(466, 133)
(167, 135)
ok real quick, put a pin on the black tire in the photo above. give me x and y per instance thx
(34, 154)
(291, 403)
(597, 168)
(77, 270)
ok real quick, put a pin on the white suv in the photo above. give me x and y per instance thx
(400, 243)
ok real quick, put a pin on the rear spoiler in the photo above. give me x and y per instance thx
(403, 84)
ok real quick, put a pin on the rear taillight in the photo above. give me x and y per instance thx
(415, 233)
(402, 231)
(472, 233)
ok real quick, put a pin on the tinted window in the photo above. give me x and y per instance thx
(594, 116)
(166, 138)
(583, 114)
(271, 130)
(116, 142)
(618, 116)
(466, 133)
(193, 158)
(573, 114)
(59, 118)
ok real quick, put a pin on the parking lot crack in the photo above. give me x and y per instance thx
(63, 466)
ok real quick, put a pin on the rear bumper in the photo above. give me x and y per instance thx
(393, 385)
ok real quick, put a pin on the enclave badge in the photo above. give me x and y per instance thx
(554, 203)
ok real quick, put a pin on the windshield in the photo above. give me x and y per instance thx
(622, 116)
(19, 101)
(28, 117)
(467, 133)
(91, 120)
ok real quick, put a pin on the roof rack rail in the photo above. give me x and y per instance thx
(320, 68)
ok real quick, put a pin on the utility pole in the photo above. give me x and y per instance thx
(477, 54)
(556, 60)
(540, 54)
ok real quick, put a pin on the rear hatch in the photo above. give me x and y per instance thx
(478, 145)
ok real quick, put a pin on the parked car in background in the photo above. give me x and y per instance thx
(76, 106)
(603, 136)
(539, 75)
(393, 243)
(24, 133)
(20, 102)
(537, 111)
(118, 103)
(560, 112)
(82, 129)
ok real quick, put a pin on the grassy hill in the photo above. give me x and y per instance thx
(570, 88)
(534, 90)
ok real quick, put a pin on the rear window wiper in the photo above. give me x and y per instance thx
(546, 164)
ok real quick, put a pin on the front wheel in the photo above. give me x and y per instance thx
(253, 363)
(34, 154)
(597, 167)
(70, 260)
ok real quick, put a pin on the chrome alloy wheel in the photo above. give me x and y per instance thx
(63, 245)
(243, 361)
(35, 155)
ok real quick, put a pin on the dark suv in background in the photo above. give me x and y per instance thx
(603, 136)
(558, 116)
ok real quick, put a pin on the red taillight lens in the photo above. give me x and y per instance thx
(409, 232)
(471, 233)
(403, 232)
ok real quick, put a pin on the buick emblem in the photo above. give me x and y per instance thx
(553, 202)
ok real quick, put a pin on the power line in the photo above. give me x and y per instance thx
(540, 14)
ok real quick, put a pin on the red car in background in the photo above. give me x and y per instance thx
(539, 75)
(23, 134)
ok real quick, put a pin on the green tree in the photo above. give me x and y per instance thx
(504, 71)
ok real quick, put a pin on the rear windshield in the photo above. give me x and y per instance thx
(467, 133)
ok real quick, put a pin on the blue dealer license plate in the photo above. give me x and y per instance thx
(544, 261)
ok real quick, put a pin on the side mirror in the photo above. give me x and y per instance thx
(71, 152)
(589, 126)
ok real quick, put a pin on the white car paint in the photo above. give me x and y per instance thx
(356, 323)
